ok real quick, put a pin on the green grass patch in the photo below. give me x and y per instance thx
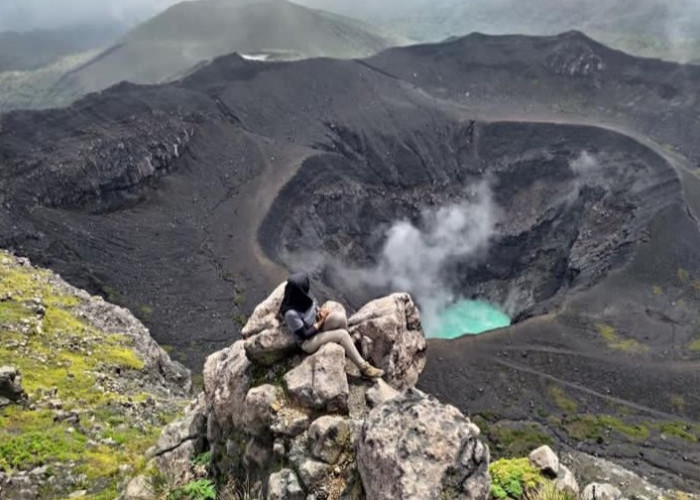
(561, 401)
(550, 492)
(694, 345)
(591, 427)
(614, 341)
(679, 430)
(12, 312)
(514, 478)
(515, 440)
(29, 439)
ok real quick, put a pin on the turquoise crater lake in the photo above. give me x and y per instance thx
(467, 317)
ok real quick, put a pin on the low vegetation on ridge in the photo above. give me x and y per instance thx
(90, 416)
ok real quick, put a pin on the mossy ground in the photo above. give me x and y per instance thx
(63, 358)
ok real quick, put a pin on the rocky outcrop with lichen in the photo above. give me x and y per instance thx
(275, 423)
(309, 427)
(84, 389)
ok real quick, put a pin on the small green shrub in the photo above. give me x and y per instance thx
(201, 489)
(202, 459)
(514, 479)
(240, 319)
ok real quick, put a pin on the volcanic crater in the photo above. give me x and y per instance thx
(188, 202)
(570, 201)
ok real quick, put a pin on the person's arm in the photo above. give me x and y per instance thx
(296, 325)
(306, 333)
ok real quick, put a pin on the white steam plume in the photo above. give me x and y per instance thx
(413, 258)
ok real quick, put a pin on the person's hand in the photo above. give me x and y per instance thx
(321, 318)
(322, 314)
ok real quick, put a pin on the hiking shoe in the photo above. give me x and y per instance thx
(369, 371)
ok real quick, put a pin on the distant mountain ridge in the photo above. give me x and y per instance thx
(190, 33)
(650, 28)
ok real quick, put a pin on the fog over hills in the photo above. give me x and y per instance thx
(47, 15)
(188, 35)
(669, 30)
(21, 51)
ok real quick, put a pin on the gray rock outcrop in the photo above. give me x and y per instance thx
(319, 382)
(415, 447)
(601, 491)
(140, 488)
(11, 390)
(291, 422)
(545, 460)
(391, 337)
(181, 441)
(284, 485)
(566, 481)
(592, 470)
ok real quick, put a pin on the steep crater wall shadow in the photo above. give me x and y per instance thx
(572, 201)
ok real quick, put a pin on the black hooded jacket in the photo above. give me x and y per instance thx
(296, 304)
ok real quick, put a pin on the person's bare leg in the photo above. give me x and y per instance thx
(335, 330)
(341, 337)
(335, 321)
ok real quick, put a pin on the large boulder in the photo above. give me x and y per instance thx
(266, 339)
(330, 436)
(545, 460)
(270, 346)
(227, 379)
(265, 315)
(415, 447)
(284, 485)
(181, 441)
(320, 382)
(566, 481)
(391, 337)
(261, 404)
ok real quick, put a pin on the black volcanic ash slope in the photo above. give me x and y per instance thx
(182, 202)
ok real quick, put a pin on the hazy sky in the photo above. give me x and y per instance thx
(23, 15)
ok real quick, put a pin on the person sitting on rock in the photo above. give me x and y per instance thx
(315, 327)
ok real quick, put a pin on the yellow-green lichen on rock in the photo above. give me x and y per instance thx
(99, 388)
